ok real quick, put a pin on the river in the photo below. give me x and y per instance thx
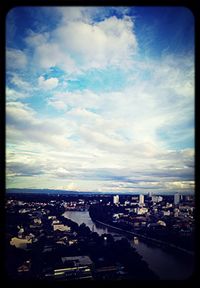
(167, 264)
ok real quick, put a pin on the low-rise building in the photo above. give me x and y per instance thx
(75, 267)
(61, 227)
(20, 243)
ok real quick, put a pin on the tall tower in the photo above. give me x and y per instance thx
(116, 199)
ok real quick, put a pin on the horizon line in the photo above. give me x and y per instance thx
(96, 192)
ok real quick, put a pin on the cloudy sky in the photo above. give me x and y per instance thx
(100, 99)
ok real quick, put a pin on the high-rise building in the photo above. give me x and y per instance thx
(176, 198)
(116, 199)
(141, 199)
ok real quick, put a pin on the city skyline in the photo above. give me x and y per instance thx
(100, 99)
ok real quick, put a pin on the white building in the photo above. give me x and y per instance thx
(141, 199)
(176, 199)
(116, 199)
(166, 213)
(61, 227)
(126, 203)
(20, 243)
(156, 199)
(141, 211)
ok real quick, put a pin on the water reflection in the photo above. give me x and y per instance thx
(84, 217)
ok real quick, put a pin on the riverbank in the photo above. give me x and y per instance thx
(167, 263)
(156, 241)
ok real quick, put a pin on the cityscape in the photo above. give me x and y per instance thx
(100, 144)
(44, 241)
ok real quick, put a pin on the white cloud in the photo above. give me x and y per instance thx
(91, 45)
(138, 112)
(132, 139)
(21, 89)
(113, 42)
(47, 84)
(79, 99)
(19, 111)
(148, 186)
(20, 83)
(50, 55)
(35, 39)
(23, 125)
(12, 94)
(118, 141)
(75, 14)
(15, 59)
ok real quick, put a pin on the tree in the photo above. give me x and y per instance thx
(84, 230)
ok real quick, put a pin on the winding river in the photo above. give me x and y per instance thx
(167, 264)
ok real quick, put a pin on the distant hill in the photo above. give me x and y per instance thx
(45, 191)
(63, 192)
(70, 192)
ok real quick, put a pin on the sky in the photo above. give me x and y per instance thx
(100, 99)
